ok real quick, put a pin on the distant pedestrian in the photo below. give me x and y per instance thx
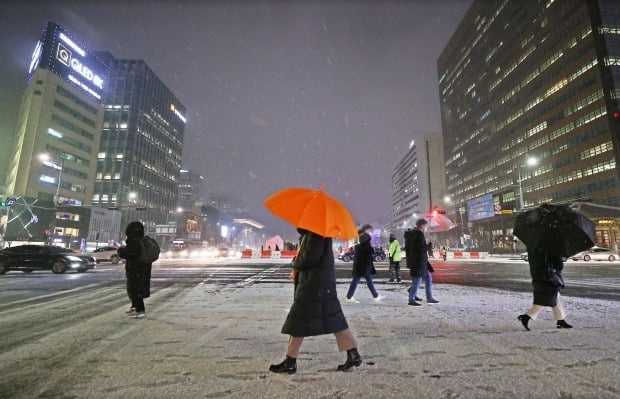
(395, 255)
(363, 265)
(546, 272)
(138, 273)
(416, 250)
(316, 309)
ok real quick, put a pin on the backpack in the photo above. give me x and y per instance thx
(149, 250)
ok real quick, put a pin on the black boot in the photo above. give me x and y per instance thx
(289, 366)
(524, 319)
(353, 359)
(563, 324)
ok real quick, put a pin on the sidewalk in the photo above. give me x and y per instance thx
(218, 342)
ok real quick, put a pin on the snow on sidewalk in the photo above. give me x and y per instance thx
(218, 342)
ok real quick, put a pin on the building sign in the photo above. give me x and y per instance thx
(480, 208)
(59, 53)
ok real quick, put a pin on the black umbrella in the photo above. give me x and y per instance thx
(555, 229)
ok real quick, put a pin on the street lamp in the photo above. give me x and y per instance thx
(531, 161)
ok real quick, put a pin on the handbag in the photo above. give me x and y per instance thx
(556, 280)
(430, 268)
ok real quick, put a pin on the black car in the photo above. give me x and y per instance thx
(30, 257)
(349, 254)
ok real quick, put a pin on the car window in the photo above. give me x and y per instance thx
(23, 249)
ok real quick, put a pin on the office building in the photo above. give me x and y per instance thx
(141, 144)
(418, 182)
(53, 158)
(529, 108)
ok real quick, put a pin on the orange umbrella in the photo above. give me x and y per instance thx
(312, 210)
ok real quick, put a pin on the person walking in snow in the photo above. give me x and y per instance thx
(316, 309)
(416, 250)
(394, 252)
(546, 272)
(363, 266)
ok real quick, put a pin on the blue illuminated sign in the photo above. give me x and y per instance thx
(480, 208)
(58, 52)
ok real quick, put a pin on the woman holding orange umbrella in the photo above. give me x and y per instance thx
(316, 309)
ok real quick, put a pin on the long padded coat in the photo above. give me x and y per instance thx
(363, 264)
(316, 309)
(138, 273)
(416, 250)
(543, 267)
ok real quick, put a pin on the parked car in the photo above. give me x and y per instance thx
(523, 256)
(30, 257)
(106, 254)
(349, 254)
(595, 253)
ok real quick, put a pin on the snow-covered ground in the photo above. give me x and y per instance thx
(217, 341)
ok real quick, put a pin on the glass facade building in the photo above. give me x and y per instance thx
(532, 80)
(141, 144)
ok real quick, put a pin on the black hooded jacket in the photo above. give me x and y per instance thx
(138, 273)
(363, 264)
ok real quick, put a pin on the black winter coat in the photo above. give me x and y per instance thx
(363, 264)
(545, 270)
(316, 309)
(416, 250)
(138, 273)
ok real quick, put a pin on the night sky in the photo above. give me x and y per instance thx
(279, 93)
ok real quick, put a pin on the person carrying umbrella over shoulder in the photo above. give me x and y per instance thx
(316, 309)
(550, 233)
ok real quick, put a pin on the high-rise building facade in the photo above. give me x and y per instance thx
(141, 144)
(529, 107)
(55, 146)
(191, 188)
(418, 181)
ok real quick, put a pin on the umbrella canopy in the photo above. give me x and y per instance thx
(555, 229)
(312, 210)
(439, 222)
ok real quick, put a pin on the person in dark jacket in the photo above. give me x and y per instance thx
(316, 309)
(138, 273)
(546, 272)
(363, 265)
(416, 250)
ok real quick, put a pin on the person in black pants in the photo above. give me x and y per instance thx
(138, 273)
